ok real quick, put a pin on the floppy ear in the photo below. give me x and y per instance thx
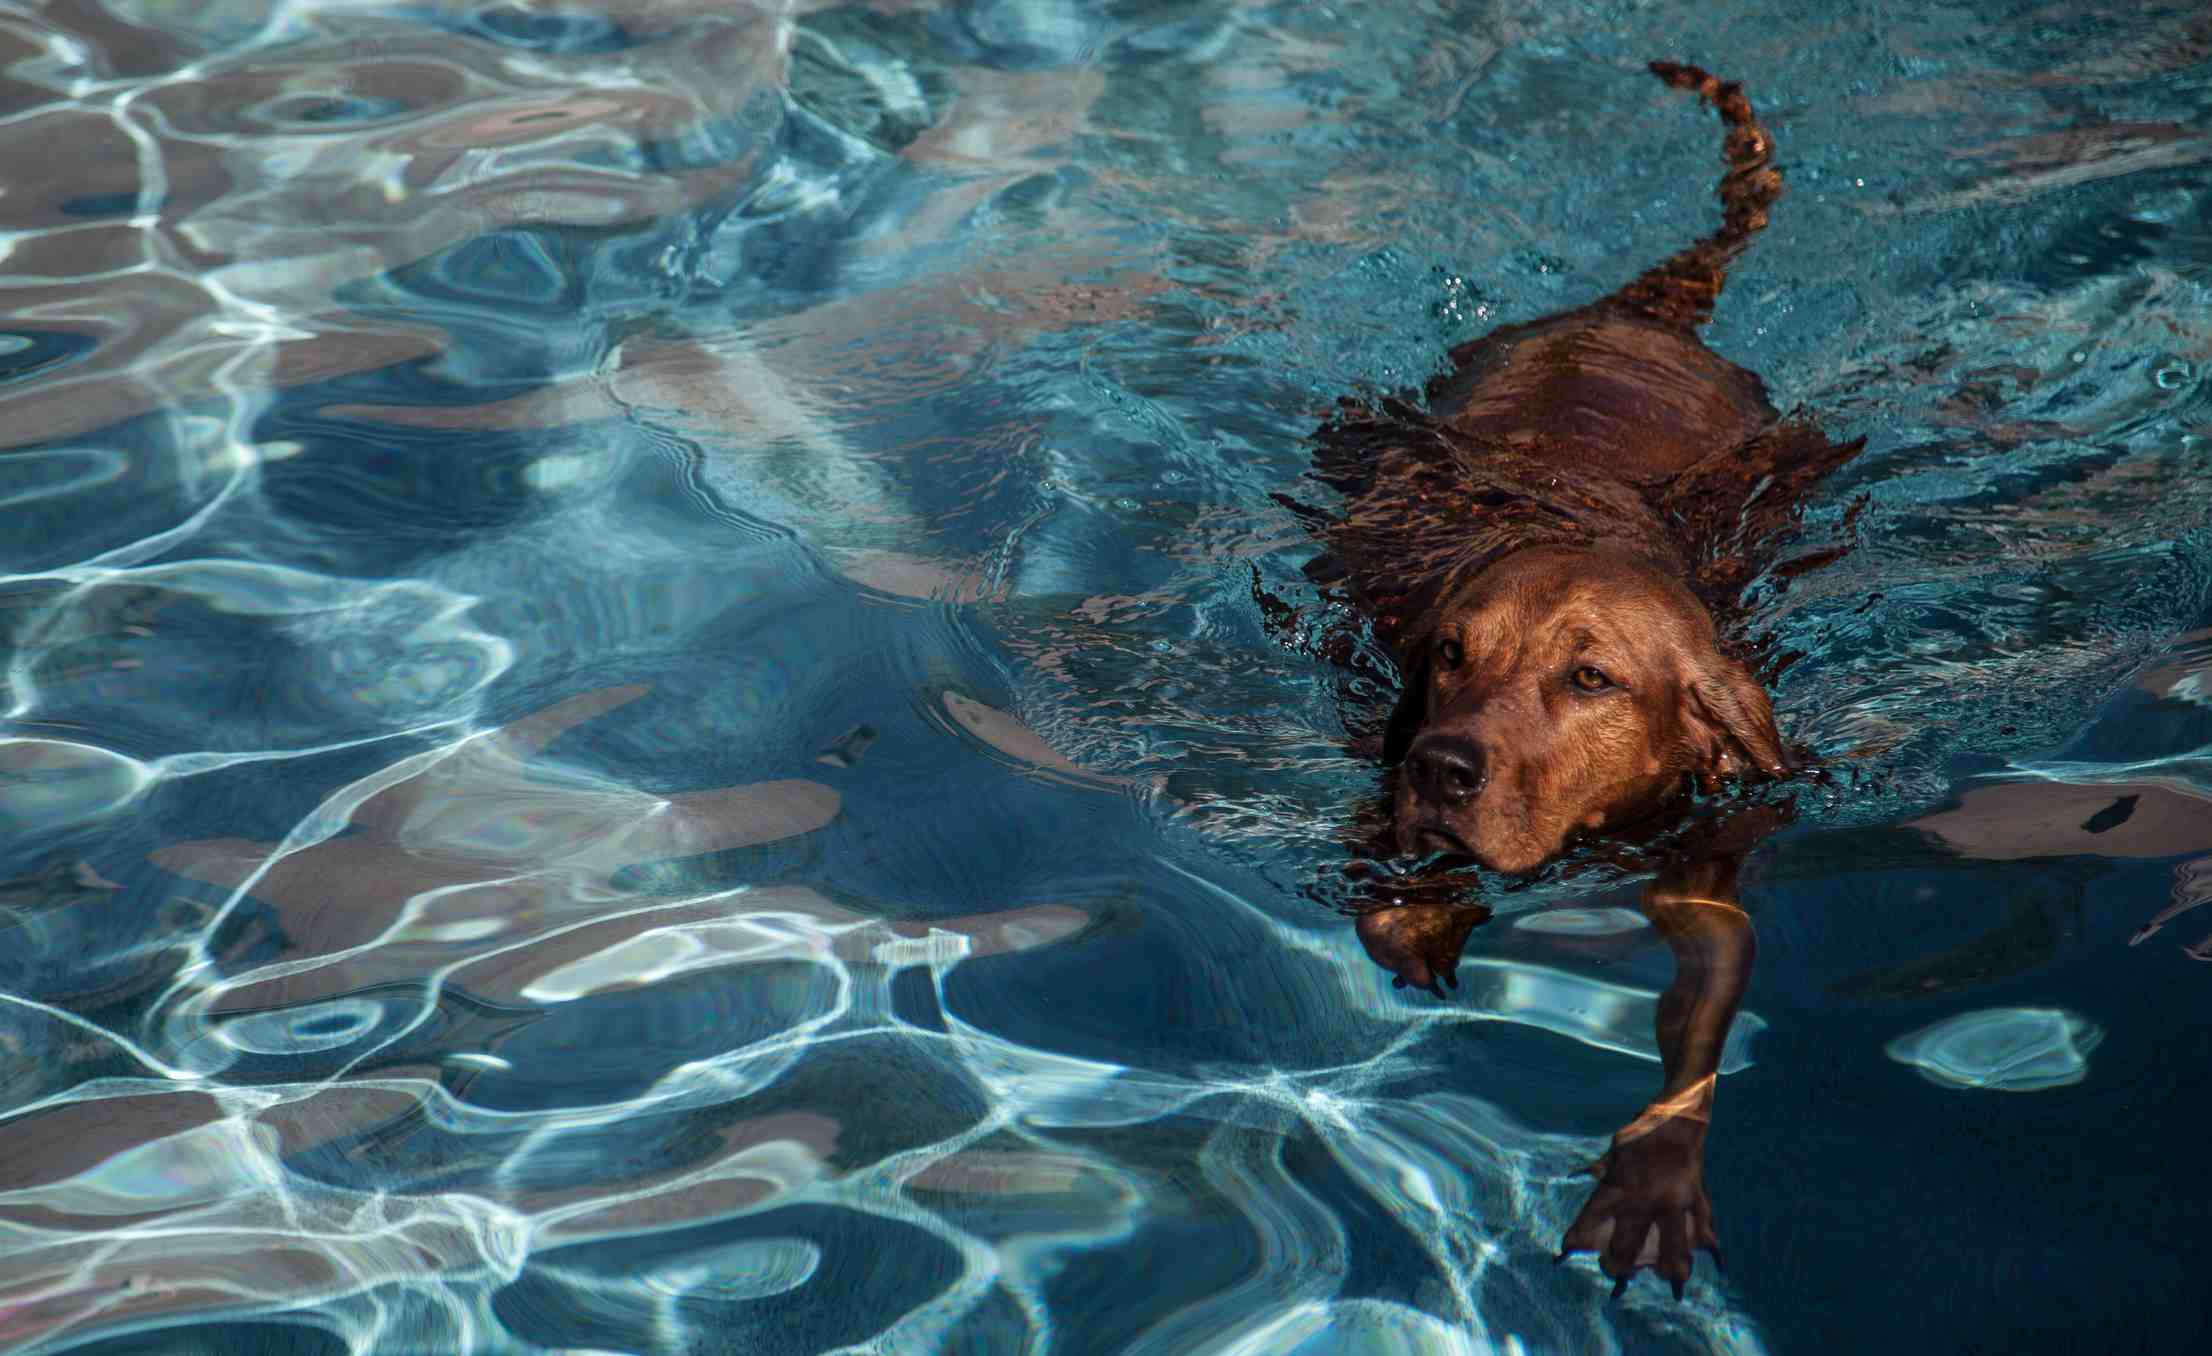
(1412, 709)
(1731, 723)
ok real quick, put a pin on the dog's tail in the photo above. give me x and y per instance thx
(1682, 289)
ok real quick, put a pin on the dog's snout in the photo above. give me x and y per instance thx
(1446, 769)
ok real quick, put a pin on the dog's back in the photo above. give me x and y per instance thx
(1609, 423)
(1624, 384)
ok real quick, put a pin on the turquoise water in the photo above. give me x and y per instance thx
(636, 717)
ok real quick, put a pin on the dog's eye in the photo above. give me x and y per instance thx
(1590, 679)
(1450, 653)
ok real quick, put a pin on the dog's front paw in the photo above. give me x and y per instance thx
(1419, 943)
(1650, 1208)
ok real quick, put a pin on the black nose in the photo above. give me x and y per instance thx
(1446, 769)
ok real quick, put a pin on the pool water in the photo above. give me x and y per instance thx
(638, 718)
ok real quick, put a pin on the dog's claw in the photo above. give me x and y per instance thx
(1620, 1286)
(1677, 1288)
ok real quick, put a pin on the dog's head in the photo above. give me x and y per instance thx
(1559, 690)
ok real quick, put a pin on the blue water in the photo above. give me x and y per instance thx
(636, 720)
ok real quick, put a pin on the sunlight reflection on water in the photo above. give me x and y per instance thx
(636, 720)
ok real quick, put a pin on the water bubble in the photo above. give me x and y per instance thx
(2005, 1049)
(323, 1026)
(2172, 375)
(1580, 922)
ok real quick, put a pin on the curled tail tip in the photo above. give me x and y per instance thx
(1725, 95)
(1683, 287)
(1682, 75)
(1749, 149)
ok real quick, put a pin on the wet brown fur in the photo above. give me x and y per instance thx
(1591, 490)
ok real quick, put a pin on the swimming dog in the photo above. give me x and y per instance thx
(1554, 552)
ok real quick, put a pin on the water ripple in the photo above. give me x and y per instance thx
(638, 714)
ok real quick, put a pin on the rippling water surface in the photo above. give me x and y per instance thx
(636, 717)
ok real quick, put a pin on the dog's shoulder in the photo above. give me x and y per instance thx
(1424, 509)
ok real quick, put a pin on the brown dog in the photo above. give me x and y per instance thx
(1554, 553)
(1546, 549)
